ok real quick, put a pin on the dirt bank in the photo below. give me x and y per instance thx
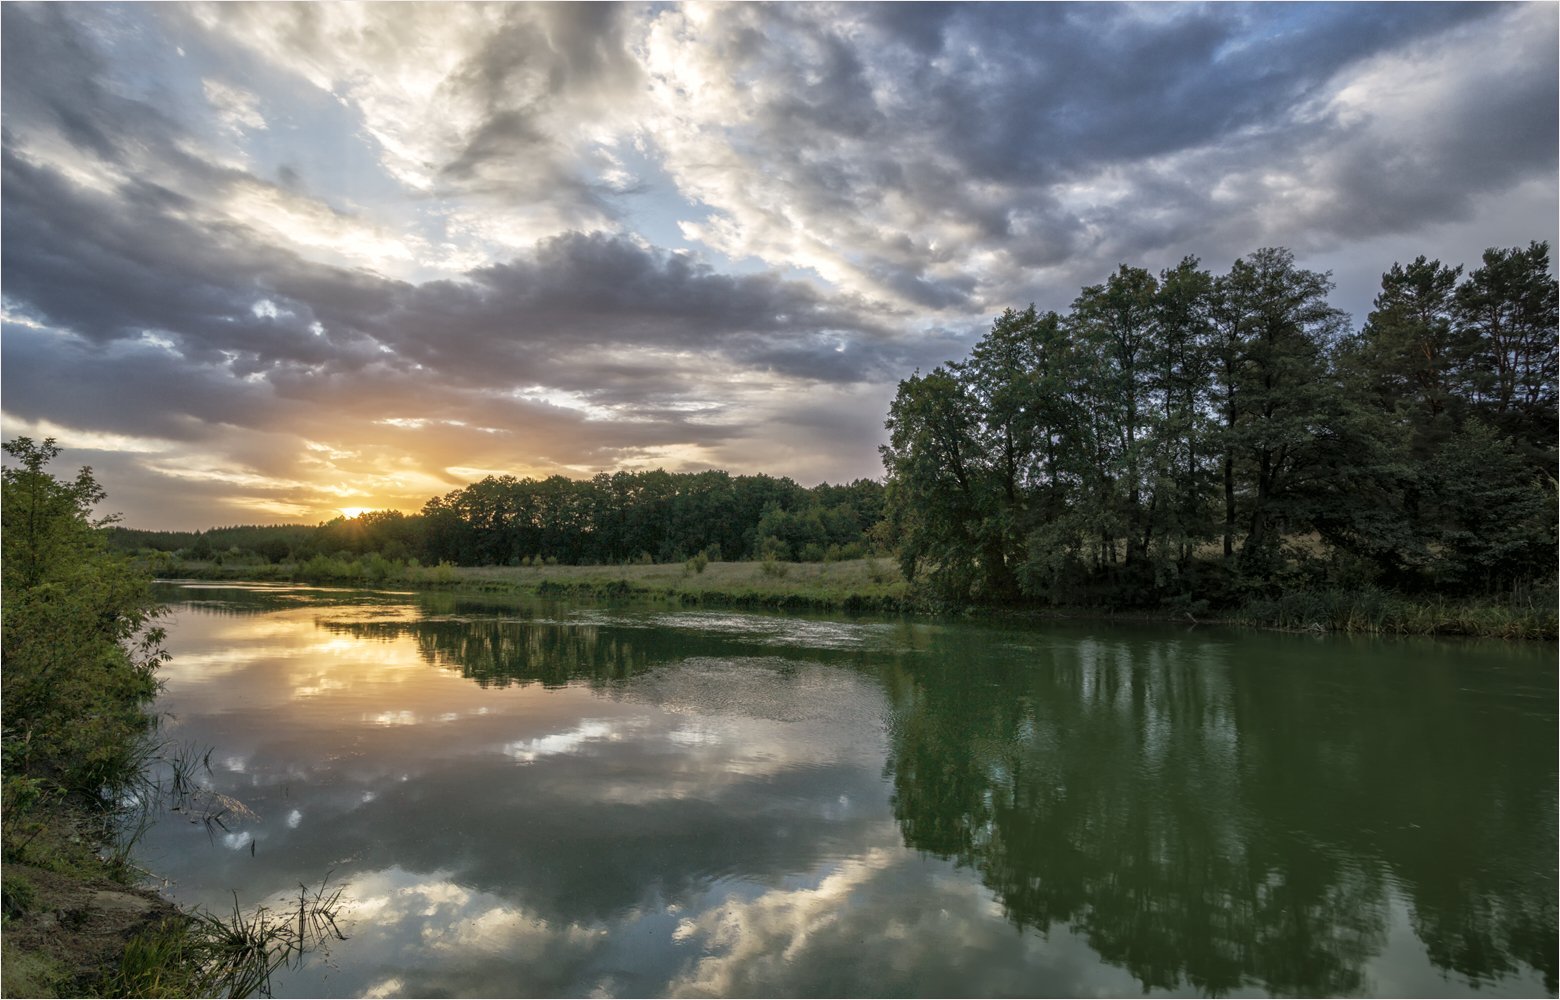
(65, 934)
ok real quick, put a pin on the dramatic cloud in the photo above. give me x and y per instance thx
(267, 260)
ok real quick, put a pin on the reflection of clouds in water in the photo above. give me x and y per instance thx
(695, 734)
(413, 934)
(408, 717)
(589, 731)
(386, 988)
(882, 924)
(400, 717)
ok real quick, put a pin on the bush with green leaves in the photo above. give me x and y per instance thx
(81, 641)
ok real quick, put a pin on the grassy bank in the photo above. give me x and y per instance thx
(71, 908)
(1520, 614)
(858, 585)
(876, 586)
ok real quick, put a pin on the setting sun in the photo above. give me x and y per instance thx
(351, 512)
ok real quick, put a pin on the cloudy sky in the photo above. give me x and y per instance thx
(265, 263)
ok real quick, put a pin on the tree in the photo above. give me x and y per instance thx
(1508, 310)
(1182, 362)
(1411, 355)
(1113, 325)
(77, 630)
(1491, 514)
(44, 520)
(1279, 329)
(936, 501)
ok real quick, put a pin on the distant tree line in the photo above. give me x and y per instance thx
(1192, 436)
(653, 516)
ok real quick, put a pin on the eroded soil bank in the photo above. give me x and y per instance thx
(65, 933)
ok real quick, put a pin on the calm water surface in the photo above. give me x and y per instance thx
(543, 799)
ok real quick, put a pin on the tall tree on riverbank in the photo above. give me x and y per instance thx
(1508, 311)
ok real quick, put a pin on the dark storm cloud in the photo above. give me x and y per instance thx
(51, 78)
(1040, 91)
(587, 292)
(976, 123)
(132, 388)
(115, 266)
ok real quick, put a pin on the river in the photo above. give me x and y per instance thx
(532, 798)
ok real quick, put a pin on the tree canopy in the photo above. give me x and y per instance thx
(1175, 436)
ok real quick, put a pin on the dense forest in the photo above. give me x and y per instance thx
(1183, 441)
(1197, 438)
(611, 519)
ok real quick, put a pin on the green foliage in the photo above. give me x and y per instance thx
(81, 645)
(1096, 457)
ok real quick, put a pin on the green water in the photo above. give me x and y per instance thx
(545, 799)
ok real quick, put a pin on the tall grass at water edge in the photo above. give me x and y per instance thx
(1525, 613)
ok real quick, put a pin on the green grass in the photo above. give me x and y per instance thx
(849, 585)
(1370, 610)
(29, 973)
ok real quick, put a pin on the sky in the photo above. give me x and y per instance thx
(274, 263)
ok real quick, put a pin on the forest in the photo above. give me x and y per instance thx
(1197, 439)
(625, 517)
(1183, 441)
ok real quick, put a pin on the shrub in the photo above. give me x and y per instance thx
(80, 640)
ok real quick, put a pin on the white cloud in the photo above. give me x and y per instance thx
(237, 109)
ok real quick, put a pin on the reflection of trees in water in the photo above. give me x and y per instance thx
(499, 652)
(1223, 826)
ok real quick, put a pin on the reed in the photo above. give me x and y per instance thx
(203, 954)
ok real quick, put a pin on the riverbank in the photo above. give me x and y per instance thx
(875, 586)
(851, 586)
(71, 914)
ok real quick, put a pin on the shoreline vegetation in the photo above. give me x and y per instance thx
(875, 586)
(86, 767)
